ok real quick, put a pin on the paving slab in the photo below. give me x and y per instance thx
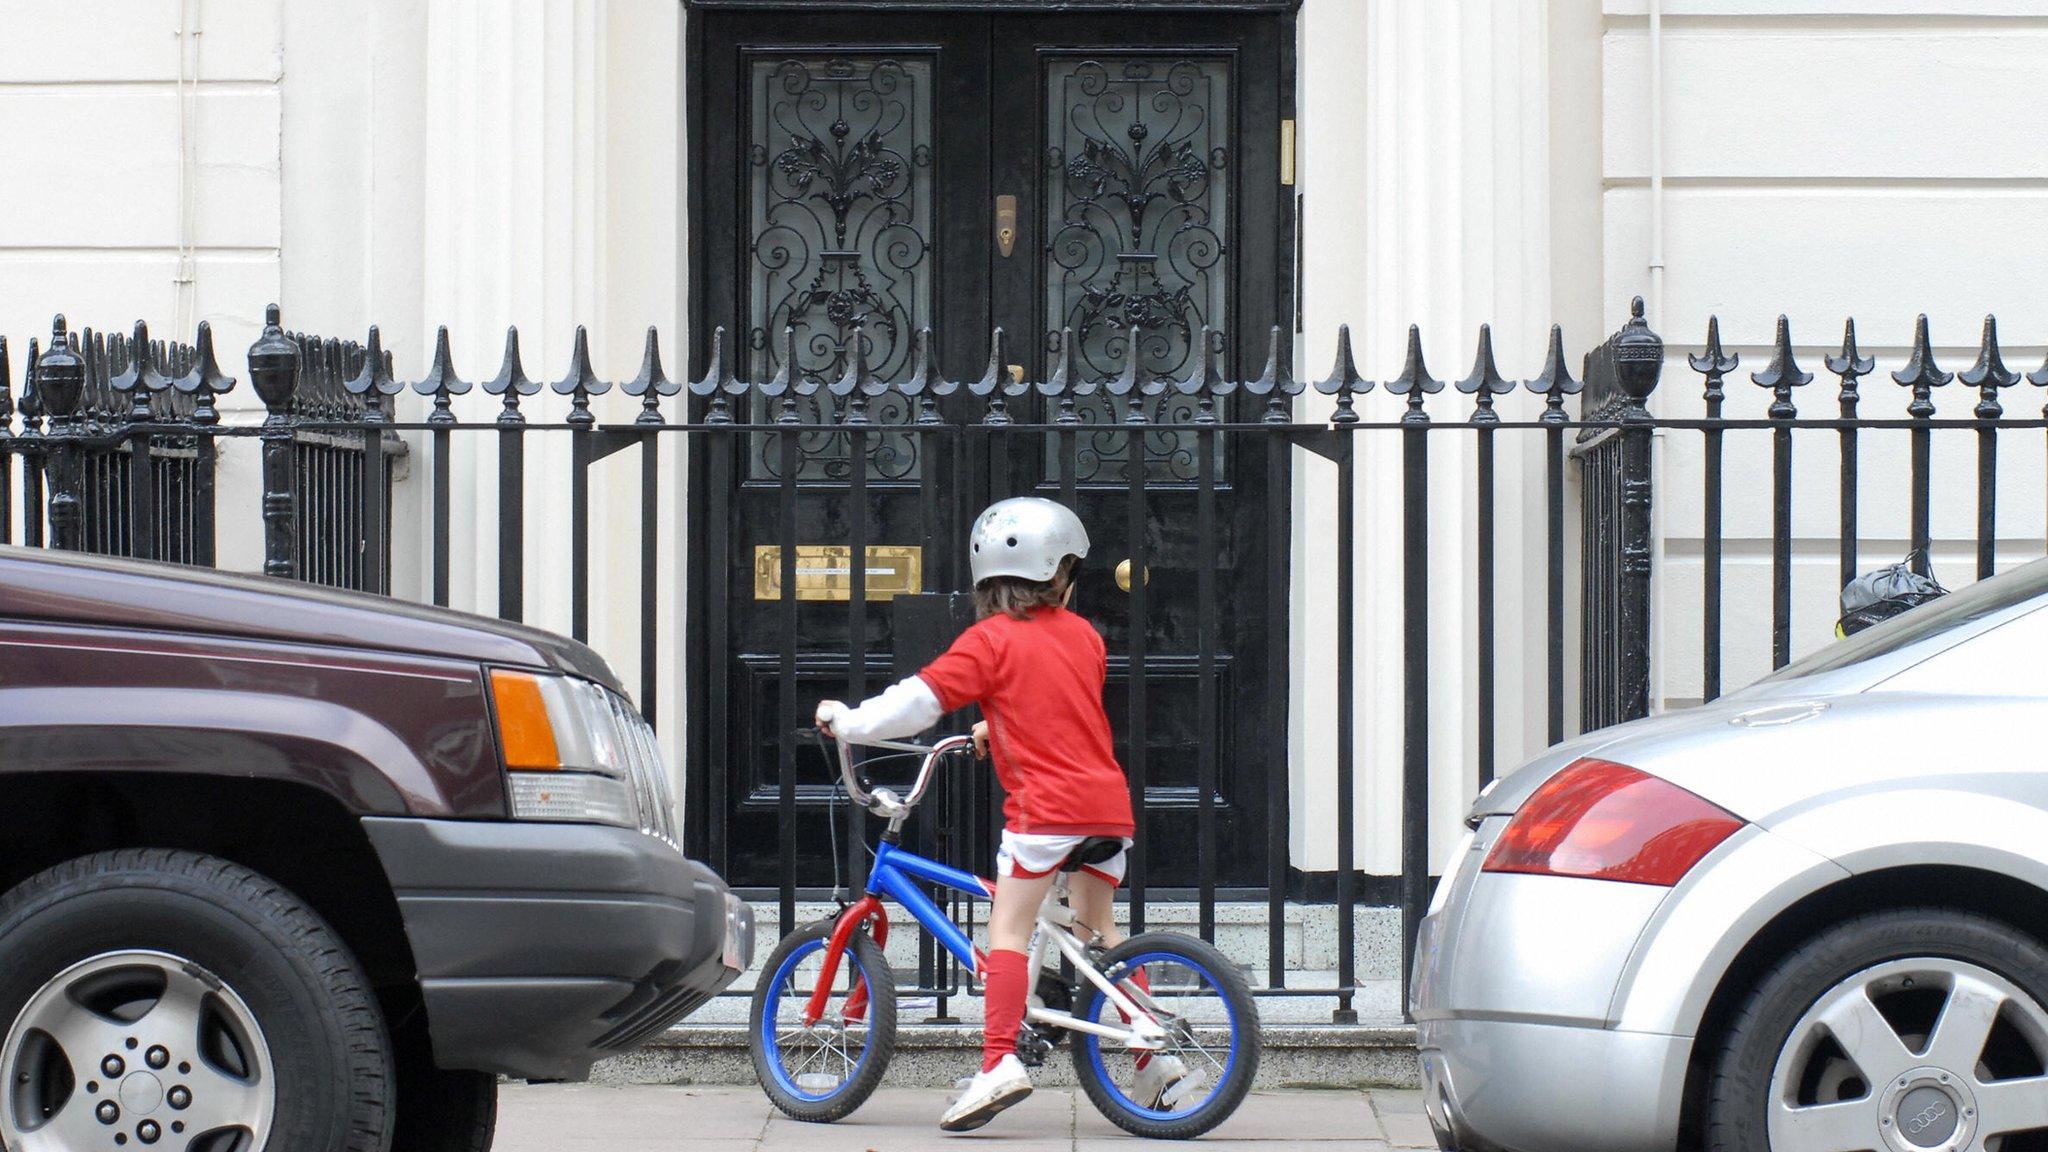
(590, 1118)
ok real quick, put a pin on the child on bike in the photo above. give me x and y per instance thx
(1037, 671)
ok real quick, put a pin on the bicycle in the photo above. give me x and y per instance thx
(823, 1025)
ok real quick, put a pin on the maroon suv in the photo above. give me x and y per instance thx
(288, 868)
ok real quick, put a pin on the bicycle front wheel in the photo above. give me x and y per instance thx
(1212, 1028)
(821, 1072)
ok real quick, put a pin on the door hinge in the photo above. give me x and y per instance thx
(1287, 153)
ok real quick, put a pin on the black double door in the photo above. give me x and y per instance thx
(878, 174)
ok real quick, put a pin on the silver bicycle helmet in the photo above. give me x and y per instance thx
(1026, 537)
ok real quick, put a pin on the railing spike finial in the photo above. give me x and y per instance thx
(511, 382)
(652, 383)
(1485, 382)
(1989, 374)
(142, 380)
(205, 380)
(6, 393)
(31, 398)
(1554, 382)
(1204, 381)
(1921, 374)
(441, 381)
(994, 382)
(1344, 382)
(716, 383)
(1061, 383)
(2039, 378)
(853, 383)
(1276, 381)
(373, 382)
(925, 382)
(1714, 364)
(1415, 382)
(1782, 374)
(1124, 385)
(788, 380)
(581, 382)
(1851, 365)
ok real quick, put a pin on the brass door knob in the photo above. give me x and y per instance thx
(1123, 575)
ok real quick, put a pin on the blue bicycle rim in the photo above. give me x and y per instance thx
(766, 1038)
(1094, 1043)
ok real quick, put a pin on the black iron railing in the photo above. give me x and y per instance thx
(779, 463)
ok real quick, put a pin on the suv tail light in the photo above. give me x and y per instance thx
(1607, 821)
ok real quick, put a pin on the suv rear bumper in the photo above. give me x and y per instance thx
(542, 948)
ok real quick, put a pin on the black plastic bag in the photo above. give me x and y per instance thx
(1885, 593)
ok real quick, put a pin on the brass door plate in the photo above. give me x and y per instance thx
(1006, 224)
(825, 571)
(1123, 575)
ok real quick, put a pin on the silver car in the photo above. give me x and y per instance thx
(1810, 917)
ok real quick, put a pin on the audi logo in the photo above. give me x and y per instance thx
(1924, 1119)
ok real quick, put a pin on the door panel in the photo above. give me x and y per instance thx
(850, 167)
(1155, 178)
(849, 141)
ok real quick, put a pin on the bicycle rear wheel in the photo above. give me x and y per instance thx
(1212, 1026)
(822, 1072)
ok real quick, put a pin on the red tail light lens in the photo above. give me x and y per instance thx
(1607, 821)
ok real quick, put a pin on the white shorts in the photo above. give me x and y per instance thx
(1030, 856)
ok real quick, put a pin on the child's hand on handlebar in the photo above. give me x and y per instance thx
(980, 739)
(830, 713)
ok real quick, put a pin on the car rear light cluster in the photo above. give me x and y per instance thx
(1606, 821)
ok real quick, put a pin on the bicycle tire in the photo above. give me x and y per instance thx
(769, 998)
(1241, 1067)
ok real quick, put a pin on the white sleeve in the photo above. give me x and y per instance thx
(905, 708)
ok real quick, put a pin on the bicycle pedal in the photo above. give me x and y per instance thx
(818, 1082)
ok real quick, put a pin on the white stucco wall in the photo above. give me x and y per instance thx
(1828, 159)
(477, 163)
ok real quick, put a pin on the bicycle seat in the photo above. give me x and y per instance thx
(1093, 850)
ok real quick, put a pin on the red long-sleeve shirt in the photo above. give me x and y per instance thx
(1039, 683)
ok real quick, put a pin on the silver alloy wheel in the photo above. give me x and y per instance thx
(135, 1049)
(1917, 1055)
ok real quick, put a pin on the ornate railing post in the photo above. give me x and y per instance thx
(1638, 355)
(1616, 491)
(60, 383)
(274, 372)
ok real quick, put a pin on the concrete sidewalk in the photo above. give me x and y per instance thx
(585, 1118)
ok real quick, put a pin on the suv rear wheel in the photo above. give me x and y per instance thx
(1915, 1030)
(159, 998)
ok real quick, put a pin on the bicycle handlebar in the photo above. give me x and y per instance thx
(883, 801)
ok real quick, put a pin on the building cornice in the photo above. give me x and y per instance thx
(1042, 7)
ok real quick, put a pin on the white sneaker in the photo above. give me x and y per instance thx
(1163, 1083)
(987, 1094)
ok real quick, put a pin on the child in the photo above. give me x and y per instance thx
(1037, 671)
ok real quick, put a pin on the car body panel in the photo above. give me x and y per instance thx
(384, 733)
(1908, 746)
(545, 947)
(144, 596)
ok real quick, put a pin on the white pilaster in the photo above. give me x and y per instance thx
(1426, 169)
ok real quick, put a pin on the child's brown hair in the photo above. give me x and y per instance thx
(1018, 598)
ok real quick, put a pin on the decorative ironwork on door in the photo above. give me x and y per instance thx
(840, 187)
(1137, 186)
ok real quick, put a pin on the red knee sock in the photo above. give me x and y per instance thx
(1142, 979)
(1004, 986)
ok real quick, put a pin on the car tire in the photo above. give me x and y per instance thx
(441, 1110)
(1874, 1018)
(212, 999)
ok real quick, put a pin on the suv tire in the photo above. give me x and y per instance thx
(287, 1039)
